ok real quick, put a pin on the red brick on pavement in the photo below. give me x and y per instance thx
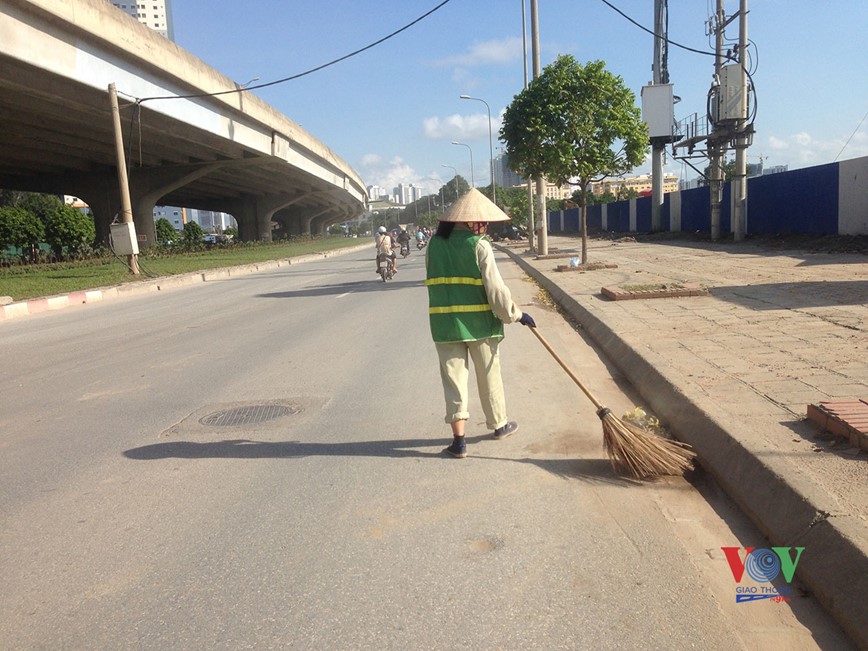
(845, 418)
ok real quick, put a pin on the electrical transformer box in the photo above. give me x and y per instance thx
(124, 239)
(658, 110)
(731, 95)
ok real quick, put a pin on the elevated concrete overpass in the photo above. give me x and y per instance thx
(232, 153)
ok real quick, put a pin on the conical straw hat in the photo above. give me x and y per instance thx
(474, 207)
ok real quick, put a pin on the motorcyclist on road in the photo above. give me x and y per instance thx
(404, 240)
(385, 247)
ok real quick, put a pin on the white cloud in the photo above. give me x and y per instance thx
(369, 160)
(777, 144)
(494, 52)
(803, 149)
(375, 170)
(460, 127)
(803, 139)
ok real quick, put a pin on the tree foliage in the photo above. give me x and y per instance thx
(575, 124)
(20, 228)
(166, 233)
(454, 188)
(44, 206)
(192, 234)
(70, 229)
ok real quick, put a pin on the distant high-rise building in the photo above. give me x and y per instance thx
(213, 222)
(504, 176)
(376, 192)
(407, 194)
(156, 14)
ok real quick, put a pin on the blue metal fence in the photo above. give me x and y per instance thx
(801, 201)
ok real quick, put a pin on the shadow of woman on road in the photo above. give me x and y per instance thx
(594, 470)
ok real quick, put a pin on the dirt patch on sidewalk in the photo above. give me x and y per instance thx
(778, 242)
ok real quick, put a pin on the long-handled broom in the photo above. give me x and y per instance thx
(640, 453)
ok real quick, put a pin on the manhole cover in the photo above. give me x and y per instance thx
(248, 415)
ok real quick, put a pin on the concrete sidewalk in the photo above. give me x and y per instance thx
(732, 373)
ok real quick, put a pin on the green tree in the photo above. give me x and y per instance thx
(70, 229)
(166, 233)
(454, 188)
(429, 219)
(513, 201)
(44, 206)
(231, 232)
(192, 235)
(22, 229)
(575, 122)
(11, 197)
(728, 172)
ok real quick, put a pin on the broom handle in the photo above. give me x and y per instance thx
(569, 371)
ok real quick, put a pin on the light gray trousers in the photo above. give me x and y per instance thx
(455, 374)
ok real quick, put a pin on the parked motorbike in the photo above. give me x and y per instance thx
(385, 267)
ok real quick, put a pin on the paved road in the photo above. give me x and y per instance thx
(733, 372)
(125, 522)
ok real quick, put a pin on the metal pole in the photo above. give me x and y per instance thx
(530, 220)
(716, 148)
(472, 178)
(739, 220)
(454, 178)
(542, 240)
(658, 148)
(126, 204)
(490, 145)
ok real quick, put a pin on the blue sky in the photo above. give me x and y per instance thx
(392, 111)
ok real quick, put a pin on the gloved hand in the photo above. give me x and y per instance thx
(527, 320)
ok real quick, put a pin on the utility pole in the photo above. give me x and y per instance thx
(739, 189)
(716, 147)
(542, 241)
(124, 234)
(661, 76)
(530, 221)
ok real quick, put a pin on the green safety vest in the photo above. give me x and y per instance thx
(458, 308)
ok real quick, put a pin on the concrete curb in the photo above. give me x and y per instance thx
(9, 311)
(780, 503)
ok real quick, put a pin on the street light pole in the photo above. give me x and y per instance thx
(490, 145)
(530, 221)
(454, 178)
(464, 144)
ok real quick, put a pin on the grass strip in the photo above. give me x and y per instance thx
(34, 281)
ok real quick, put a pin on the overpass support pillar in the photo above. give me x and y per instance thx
(266, 206)
(244, 211)
(148, 186)
(308, 221)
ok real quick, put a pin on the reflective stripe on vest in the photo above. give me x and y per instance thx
(458, 306)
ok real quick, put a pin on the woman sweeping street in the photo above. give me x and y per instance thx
(468, 305)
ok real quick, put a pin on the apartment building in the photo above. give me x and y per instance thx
(156, 14)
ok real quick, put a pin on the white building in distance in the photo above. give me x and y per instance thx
(156, 14)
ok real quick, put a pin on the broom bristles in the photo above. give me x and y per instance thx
(640, 453)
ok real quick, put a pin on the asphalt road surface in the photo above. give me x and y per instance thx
(256, 463)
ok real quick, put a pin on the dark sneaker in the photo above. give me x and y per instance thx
(507, 430)
(457, 450)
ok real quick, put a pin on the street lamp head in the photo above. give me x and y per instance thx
(464, 97)
(455, 142)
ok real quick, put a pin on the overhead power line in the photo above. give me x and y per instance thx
(851, 137)
(642, 27)
(306, 72)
